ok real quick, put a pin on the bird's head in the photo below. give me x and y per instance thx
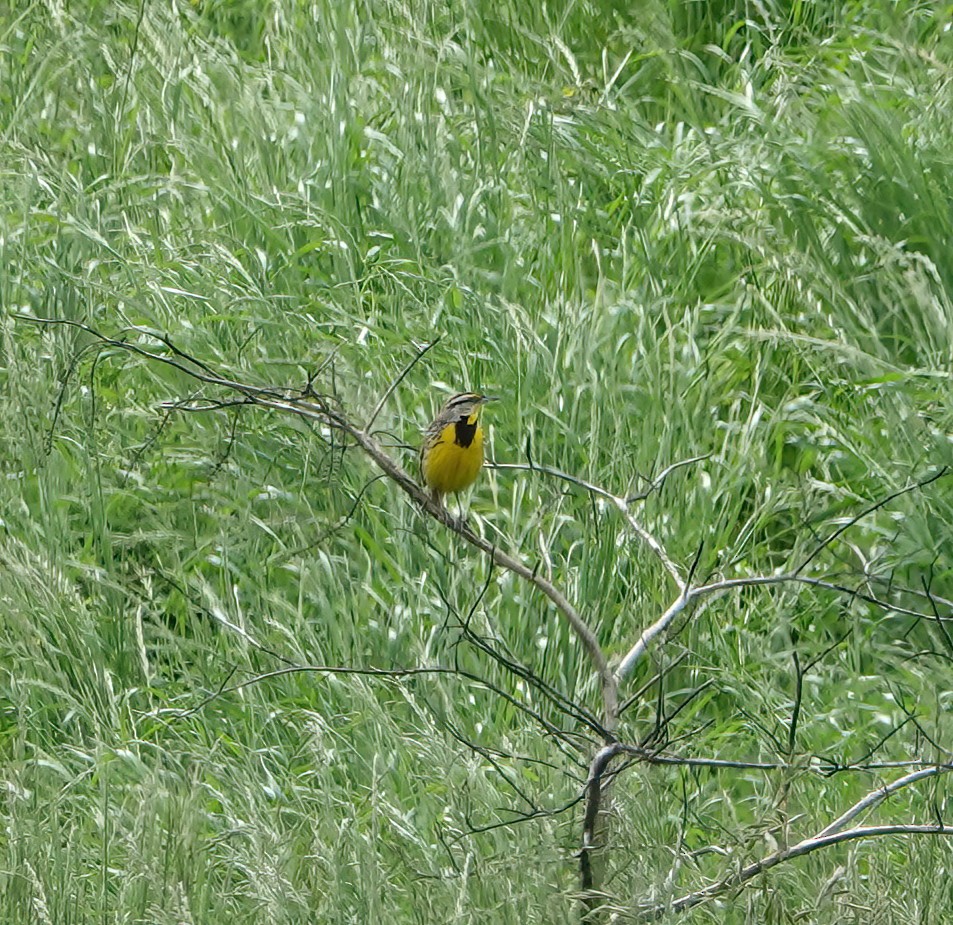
(465, 406)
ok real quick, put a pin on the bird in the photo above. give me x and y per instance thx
(451, 454)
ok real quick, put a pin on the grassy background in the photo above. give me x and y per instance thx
(715, 228)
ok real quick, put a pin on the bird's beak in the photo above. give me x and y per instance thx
(486, 398)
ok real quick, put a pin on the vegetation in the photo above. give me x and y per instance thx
(716, 232)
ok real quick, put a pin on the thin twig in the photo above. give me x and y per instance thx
(522, 817)
(831, 768)
(208, 378)
(936, 615)
(654, 757)
(560, 701)
(387, 674)
(329, 531)
(657, 678)
(664, 720)
(211, 614)
(390, 389)
(869, 510)
(656, 483)
(618, 501)
(798, 695)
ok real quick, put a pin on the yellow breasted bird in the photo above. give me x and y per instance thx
(451, 455)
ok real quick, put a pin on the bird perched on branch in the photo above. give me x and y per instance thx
(451, 455)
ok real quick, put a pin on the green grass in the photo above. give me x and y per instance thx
(700, 229)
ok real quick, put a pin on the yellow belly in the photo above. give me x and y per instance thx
(449, 467)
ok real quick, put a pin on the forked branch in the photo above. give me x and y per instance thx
(689, 595)
(833, 834)
(325, 411)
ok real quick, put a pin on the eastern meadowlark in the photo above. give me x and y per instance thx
(451, 455)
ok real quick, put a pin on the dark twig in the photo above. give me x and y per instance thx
(798, 694)
(562, 703)
(333, 528)
(621, 503)
(876, 506)
(387, 674)
(718, 588)
(834, 833)
(915, 722)
(827, 651)
(64, 384)
(226, 451)
(492, 757)
(651, 756)
(390, 389)
(656, 483)
(211, 615)
(520, 818)
(591, 487)
(657, 678)
(593, 799)
(660, 732)
(195, 370)
(944, 632)
(327, 363)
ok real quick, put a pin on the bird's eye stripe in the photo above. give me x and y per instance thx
(463, 398)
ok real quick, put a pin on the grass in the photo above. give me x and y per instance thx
(710, 229)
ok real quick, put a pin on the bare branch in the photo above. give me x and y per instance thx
(659, 733)
(656, 483)
(948, 642)
(833, 834)
(798, 695)
(817, 765)
(560, 701)
(809, 845)
(878, 796)
(717, 588)
(519, 818)
(198, 370)
(914, 592)
(720, 587)
(386, 674)
(656, 757)
(581, 629)
(637, 651)
(216, 615)
(832, 768)
(319, 408)
(657, 678)
(659, 626)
